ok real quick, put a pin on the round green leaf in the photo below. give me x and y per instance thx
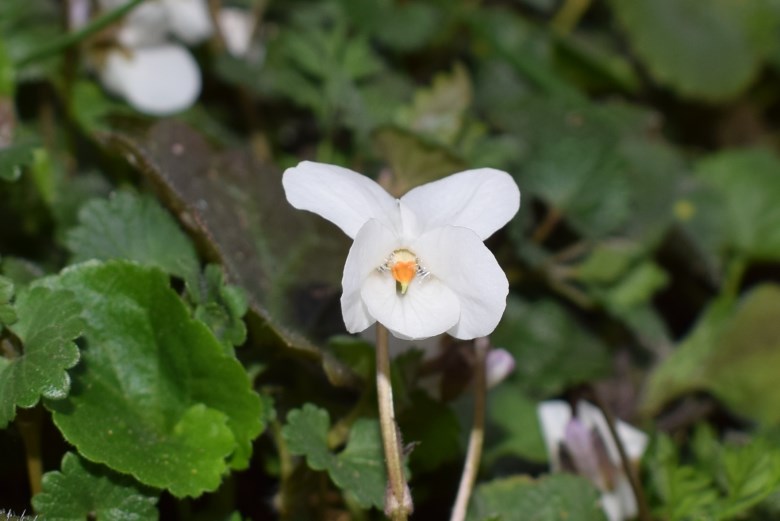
(709, 50)
(156, 396)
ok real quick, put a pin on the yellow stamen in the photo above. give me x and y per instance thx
(403, 267)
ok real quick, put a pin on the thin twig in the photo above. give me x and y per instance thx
(633, 479)
(474, 453)
(28, 423)
(398, 499)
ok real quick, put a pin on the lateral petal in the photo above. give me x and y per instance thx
(482, 200)
(458, 258)
(345, 198)
(373, 244)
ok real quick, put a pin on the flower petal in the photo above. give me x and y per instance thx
(146, 25)
(373, 244)
(553, 415)
(189, 20)
(345, 198)
(237, 26)
(458, 258)
(482, 200)
(156, 80)
(633, 440)
(427, 309)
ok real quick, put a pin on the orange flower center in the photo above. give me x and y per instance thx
(403, 266)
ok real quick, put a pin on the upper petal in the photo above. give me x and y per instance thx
(237, 26)
(460, 260)
(189, 20)
(482, 200)
(345, 198)
(428, 308)
(155, 80)
(373, 244)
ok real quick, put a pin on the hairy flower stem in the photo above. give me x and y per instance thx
(477, 436)
(398, 499)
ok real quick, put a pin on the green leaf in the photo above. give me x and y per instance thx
(560, 497)
(733, 353)
(574, 166)
(437, 111)
(709, 50)
(359, 469)
(401, 27)
(221, 306)
(7, 311)
(413, 160)
(552, 351)
(48, 322)
(434, 427)
(7, 74)
(82, 490)
(746, 213)
(518, 422)
(156, 397)
(132, 227)
(13, 158)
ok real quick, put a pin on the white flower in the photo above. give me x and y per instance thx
(583, 444)
(237, 26)
(157, 76)
(418, 264)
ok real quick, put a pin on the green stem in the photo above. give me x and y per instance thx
(398, 499)
(568, 16)
(73, 38)
(28, 423)
(474, 453)
(734, 273)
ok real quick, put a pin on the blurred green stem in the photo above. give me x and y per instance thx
(477, 436)
(70, 39)
(398, 499)
(734, 273)
(28, 423)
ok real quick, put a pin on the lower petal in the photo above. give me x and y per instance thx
(427, 309)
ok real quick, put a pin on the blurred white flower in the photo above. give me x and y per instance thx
(154, 74)
(236, 26)
(583, 444)
(418, 264)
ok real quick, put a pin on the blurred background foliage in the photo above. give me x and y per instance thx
(642, 265)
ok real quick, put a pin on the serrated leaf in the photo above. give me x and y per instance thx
(733, 353)
(551, 350)
(560, 497)
(48, 322)
(221, 306)
(156, 396)
(132, 227)
(7, 311)
(82, 490)
(359, 469)
(710, 50)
